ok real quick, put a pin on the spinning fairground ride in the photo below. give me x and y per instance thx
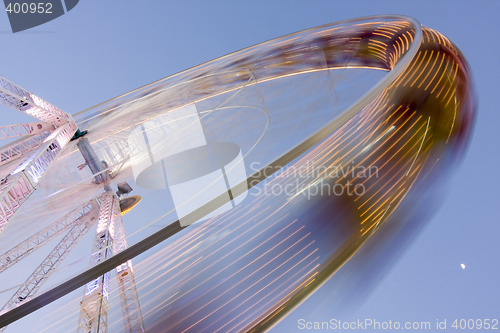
(262, 174)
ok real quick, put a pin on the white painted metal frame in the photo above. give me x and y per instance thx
(35, 281)
(110, 239)
(39, 145)
(19, 130)
(38, 151)
(32, 243)
(17, 98)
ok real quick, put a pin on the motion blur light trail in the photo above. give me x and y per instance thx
(338, 155)
(411, 130)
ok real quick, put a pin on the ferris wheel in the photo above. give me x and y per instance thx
(253, 179)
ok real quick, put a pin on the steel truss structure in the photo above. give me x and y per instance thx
(36, 153)
(110, 239)
(37, 147)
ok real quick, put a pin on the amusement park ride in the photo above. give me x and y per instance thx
(23, 163)
(287, 108)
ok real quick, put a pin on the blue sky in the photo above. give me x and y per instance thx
(102, 49)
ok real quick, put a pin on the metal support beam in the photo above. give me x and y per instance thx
(31, 286)
(129, 299)
(94, 305)
(17, 186)
(23, 101)
(21, 182)
(32, 243)
(19, 130)
(20, 148)
(94, 163)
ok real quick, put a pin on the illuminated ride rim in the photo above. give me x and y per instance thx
(262, 173)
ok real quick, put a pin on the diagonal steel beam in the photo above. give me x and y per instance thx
(32, 243)
(20, 183)
(19, 130)
(35, 281)
(21, 100)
